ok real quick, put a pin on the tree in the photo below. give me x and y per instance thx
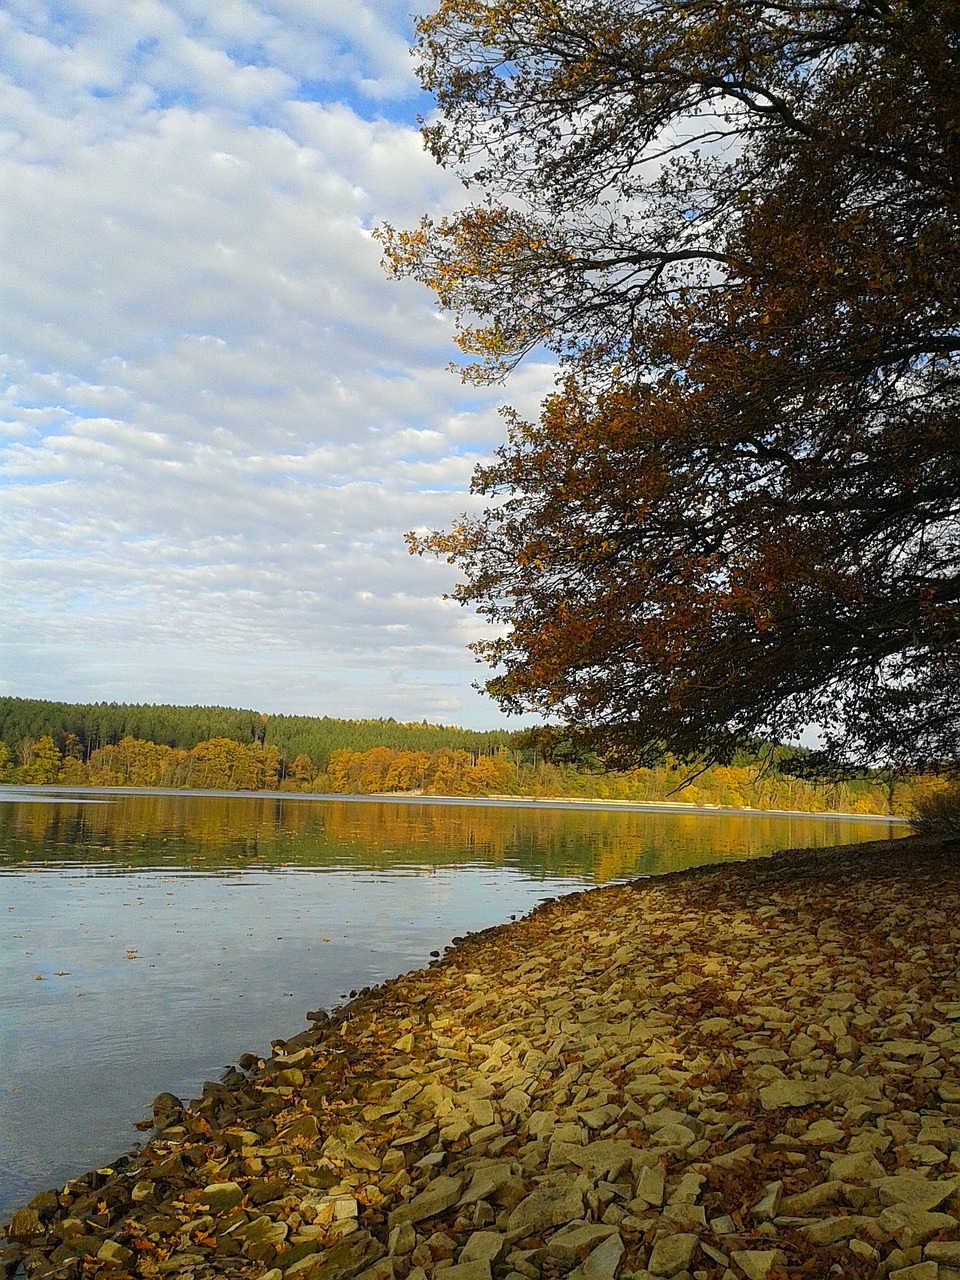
(737, 223)
(40, 762)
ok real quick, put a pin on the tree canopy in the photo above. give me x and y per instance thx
(737, 224)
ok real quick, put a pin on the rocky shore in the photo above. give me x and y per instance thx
(742, 1071)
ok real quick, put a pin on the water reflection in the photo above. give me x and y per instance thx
(216, 833)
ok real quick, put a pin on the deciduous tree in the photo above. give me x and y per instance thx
(738, 225)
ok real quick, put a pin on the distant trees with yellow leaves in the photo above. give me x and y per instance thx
(445, 772)
(221, 764)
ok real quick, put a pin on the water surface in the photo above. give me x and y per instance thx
(149, 939)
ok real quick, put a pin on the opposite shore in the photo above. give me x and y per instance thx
(20, 793)
(749, 1070)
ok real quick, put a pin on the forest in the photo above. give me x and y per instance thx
(46, 743)
(79, 729)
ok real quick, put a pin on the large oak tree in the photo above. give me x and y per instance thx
(737, 223)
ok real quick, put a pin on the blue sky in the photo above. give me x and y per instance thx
(218, 414)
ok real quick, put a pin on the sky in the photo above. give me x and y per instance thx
(219, 415)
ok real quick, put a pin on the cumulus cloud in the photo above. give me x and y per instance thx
(218, 415)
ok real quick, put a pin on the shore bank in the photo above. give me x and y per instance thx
(747, 1070)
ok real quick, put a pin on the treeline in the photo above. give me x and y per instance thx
(80, 729)
(745, 786)
(318, 738)
(220, 764)
(225, 765)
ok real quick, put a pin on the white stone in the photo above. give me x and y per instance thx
(488, 1245)
(602, 1262)
(440, 1194)
(911, 1226)
(650, 1185)
(756, 1264)
(545, 1208)
(914, 1189)
(671, 1254)
(477, 1270)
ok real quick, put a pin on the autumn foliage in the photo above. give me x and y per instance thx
(221, 764)
(738, 227)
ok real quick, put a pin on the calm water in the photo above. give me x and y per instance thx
(150, 939)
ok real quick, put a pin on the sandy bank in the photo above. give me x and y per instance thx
(748, 1070)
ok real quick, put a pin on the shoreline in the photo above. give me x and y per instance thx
(54, 791)
(540, 1102)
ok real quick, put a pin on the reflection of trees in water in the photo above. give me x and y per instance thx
(217, 832)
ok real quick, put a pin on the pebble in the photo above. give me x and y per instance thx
(737, 1073)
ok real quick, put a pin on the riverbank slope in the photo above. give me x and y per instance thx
(748, 1070)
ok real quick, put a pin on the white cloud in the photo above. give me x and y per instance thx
(219, 415)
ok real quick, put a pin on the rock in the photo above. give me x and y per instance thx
(297, 1261)
(489, 1246)
(116, 1255)
(914, 1189)
(343, 1207)
(543, 1209)
(824, 1132)
(861, 1166)
(303, 1127)
(863, 1250)
(944, 1252)
(687, 1190)
(602, 1262)
(440, 1194)
(789, 1093)
(830, 1230)
(665, 1116)
(361, 1157)
(345, 1260)
(455, 1127)
(649, 1185)
(911, 1226)
(481, 1110)
(768, 1205)
(672, 1254)
(602, 1156)
(24, 1225)
(598, 1117)
(802, 1046)
(918, 1271)
(402, 1239)
(808, 1203)
(477, 1270)
(166, 1105)
(383, 1269)
(440, 1246)
(570, 1243)
(724, 1225)
(262, 1230)
(739, 1155)
(487, 1181)
(847, 1047)
(756, 1264)
(673, 1137)
(219, 1196)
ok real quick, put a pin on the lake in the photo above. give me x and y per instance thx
(151, 938)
